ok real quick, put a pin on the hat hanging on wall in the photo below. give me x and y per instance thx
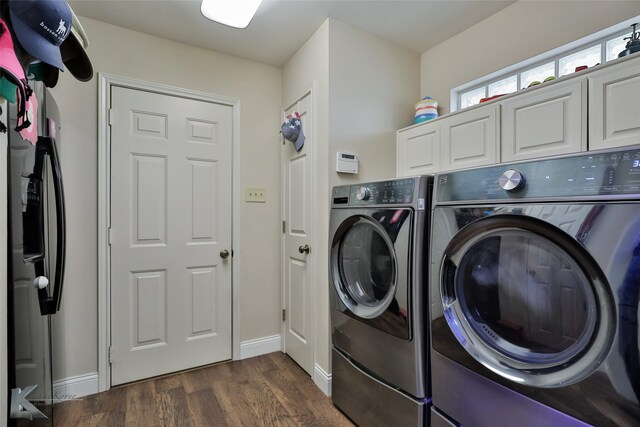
(74, 54)
(10, 68)
(43, 72)
(292, 130)
(41, 26)
(13, 83)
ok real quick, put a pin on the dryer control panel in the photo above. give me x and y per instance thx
(612, 174)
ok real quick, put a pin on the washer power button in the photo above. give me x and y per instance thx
(511, 180)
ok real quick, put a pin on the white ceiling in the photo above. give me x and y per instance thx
(280, 27)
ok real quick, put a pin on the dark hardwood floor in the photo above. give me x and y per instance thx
(269, 390)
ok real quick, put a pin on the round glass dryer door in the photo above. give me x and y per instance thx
(526, 301)
(364, 267)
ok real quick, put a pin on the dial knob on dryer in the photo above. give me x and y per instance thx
(363, 193)
(511, 180)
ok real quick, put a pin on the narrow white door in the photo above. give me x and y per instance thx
(298, 197)
(170, 228)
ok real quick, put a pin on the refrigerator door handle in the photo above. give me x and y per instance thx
(61, 246)
(50, 303)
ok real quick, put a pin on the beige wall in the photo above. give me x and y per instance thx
(374, 86)
(372, 92)
(311, 65)
(365, 91)
(518, 32)
(131, 54)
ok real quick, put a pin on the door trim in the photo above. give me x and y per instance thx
(105, 82)
(311, 257)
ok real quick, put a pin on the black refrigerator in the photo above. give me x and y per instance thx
(36, 240)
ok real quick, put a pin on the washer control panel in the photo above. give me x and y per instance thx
(393, 191)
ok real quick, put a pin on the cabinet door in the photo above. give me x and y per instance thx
(418, 150)
(614, 106)
(545, 122)
(471, 138)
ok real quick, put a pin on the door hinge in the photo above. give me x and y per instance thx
(110, 236)
(284, 226)
(110, 355)
(284, 315)
(110, 114)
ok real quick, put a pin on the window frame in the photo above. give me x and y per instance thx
(555, 55)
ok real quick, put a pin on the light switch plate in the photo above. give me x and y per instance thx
(255, 195)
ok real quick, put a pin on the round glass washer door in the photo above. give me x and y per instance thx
(526, 301)
(364, 266)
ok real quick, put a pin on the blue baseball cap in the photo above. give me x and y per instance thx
(292, 130)
(41, 26)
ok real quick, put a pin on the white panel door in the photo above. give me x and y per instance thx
(170, 225)
(614, 105)
(298, 194)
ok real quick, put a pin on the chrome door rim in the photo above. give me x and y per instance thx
(366, 312)
(564, 368)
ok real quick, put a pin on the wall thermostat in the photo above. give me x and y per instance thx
(346, 163)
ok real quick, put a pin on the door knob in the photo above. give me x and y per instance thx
(304, 249)
(224, 253)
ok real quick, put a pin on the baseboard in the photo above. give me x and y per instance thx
(75, 387)
(260, 346)
(322, 379)
(83, 385)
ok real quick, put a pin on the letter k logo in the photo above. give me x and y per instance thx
(21, 407)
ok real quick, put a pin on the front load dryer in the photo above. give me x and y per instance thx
(536, 289)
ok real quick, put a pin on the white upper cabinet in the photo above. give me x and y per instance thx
(418, 149)
(545, 121)
(471, 138)
(614, 106)
(593, 110)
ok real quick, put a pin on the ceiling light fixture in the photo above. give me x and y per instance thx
(234, 13)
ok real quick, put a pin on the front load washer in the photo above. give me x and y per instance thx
(535, 288)
(378, 255)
